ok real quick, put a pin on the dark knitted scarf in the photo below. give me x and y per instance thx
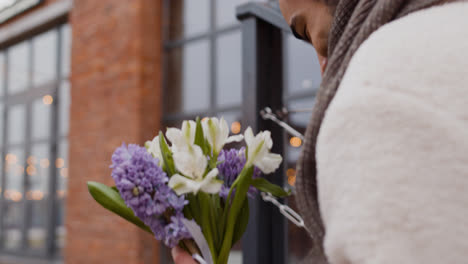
(354, 21)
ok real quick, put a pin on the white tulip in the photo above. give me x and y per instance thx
(191, 162)
(182, 138)
(209, 184)
(259, 147)
(217, 133)
(153, 148)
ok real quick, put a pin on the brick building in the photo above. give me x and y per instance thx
(78, 78)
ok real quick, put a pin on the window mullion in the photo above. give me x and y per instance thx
(213, 70)
(27, 152)
(52, 203)
(4, 149)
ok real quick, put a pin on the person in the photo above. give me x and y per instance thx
(383, 174)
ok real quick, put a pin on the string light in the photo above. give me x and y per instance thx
(47, 99)
(59, 163)
(295, 142)
(13, 195)
(11, 158)
(31, 170)
(37, 195)
(31, 160)
(44, 163)
(236, 127)
(64, 172)
(61, 193)
(291, 173)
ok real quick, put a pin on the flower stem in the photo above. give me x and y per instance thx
(242, 186)
(191, 247)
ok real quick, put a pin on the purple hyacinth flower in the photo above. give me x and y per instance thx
(231, 163)
(175, 231)
(143, 186)
(137, 177)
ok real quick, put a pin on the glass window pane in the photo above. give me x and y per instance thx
(189, 17)
(18, 67)
(189, 89)
(13, 194)
(38, 170)
(16, 124)
(229, 82)
(64, 108)
(61, 165)
(41, 117)
(66, 49)
(45, 57)
(2, 72)
(302, 66)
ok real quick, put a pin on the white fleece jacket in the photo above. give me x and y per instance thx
(393, 148)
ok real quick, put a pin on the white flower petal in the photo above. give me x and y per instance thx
(259, 151)
(191, 162)
(174, 135)
(182, 185)
(210, 184)
(154, 149)
(214, 186)
(223, 132)
(182, 139)
(212, 174)
(266, 135)
(248, 135)
(189, 128)
(269, 163)
(237, 138)
(216, 133)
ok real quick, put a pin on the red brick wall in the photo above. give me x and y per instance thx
(116, 88)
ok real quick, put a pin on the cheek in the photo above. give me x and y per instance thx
(319, 34)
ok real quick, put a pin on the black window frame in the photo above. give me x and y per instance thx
(27, 97)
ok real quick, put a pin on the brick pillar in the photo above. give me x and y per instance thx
(116, 94)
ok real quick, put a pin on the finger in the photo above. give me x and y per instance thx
(180, 256)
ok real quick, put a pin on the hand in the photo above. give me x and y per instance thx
(180, 256)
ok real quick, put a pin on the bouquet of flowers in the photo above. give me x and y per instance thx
(191, 192)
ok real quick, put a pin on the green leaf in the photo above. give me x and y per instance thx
(241, 223)
(265, 186)
(206, 222)
(208, 147)
(241, 184)
(200, 137)
(193, 207)
(110, 199)
(167, 155)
